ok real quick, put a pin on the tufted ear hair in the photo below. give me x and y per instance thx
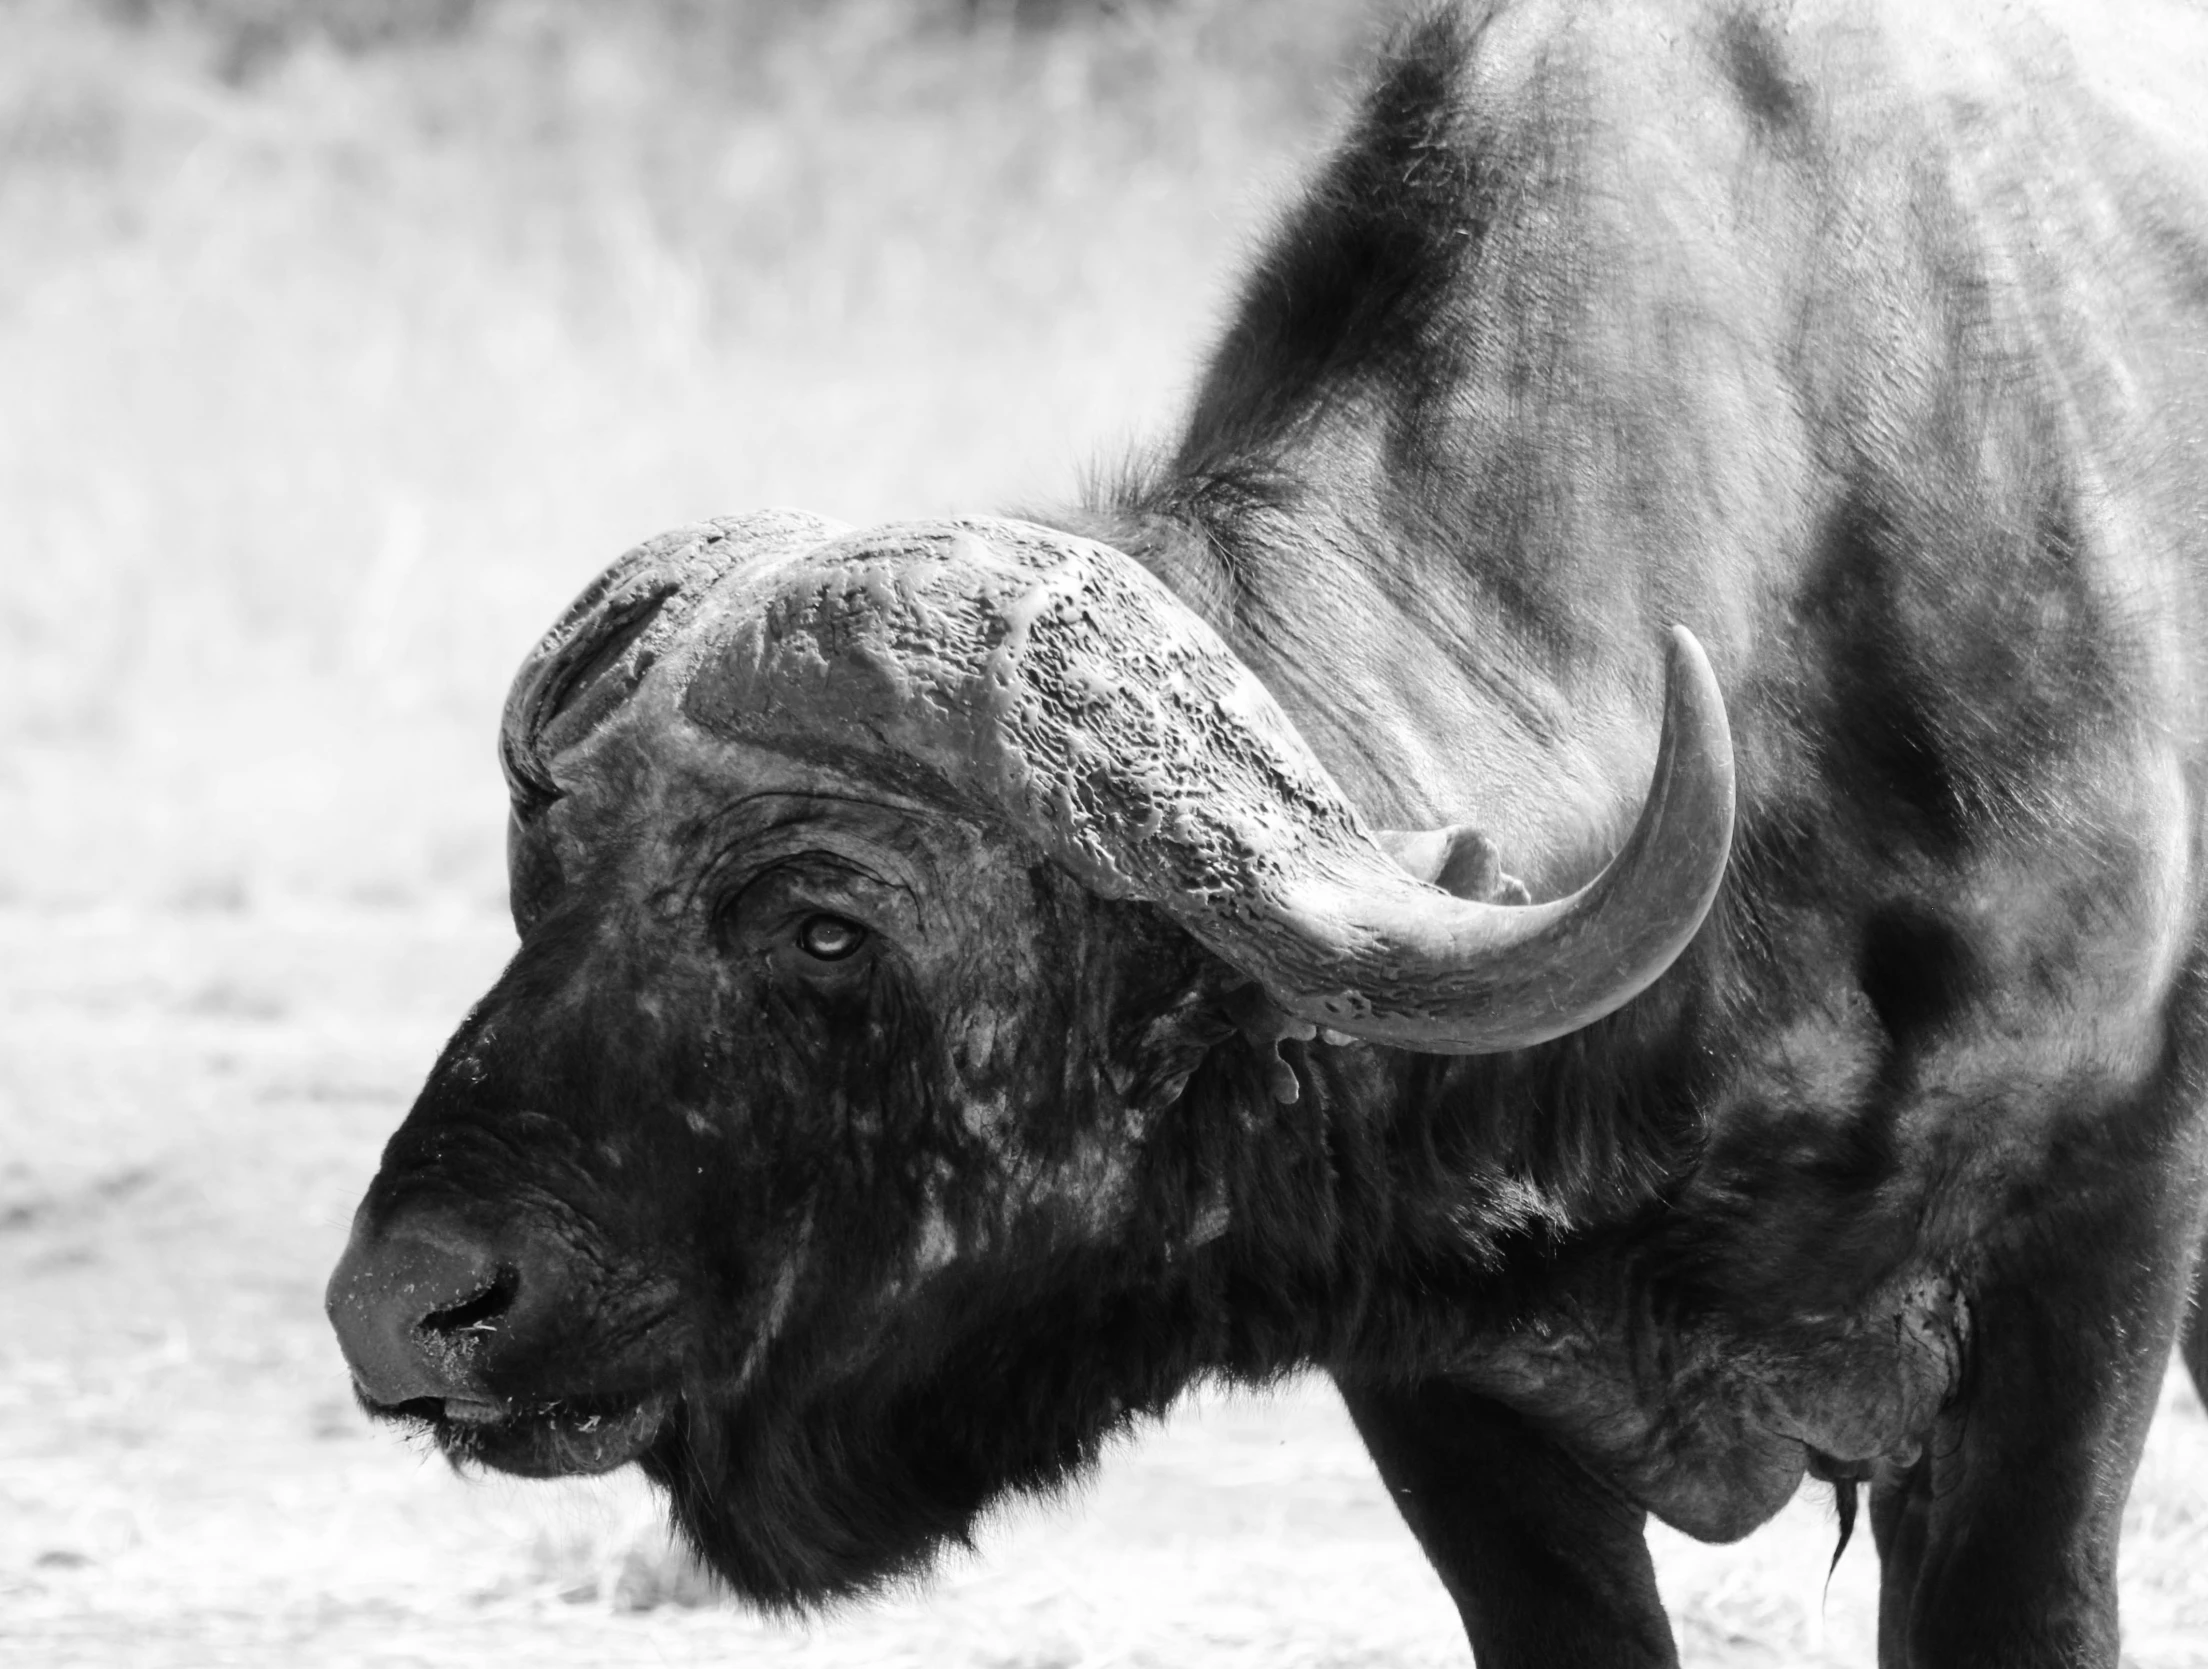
(1155, 1051)
(614, 633)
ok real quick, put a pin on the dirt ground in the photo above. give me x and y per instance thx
(191, 1101)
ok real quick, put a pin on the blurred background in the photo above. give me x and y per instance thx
(341, 342)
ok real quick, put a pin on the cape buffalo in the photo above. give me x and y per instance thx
(1307, 907)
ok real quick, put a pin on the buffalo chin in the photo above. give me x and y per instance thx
(574, 1437)
(801, 1504)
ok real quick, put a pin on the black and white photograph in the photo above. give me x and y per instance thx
(1104, 834)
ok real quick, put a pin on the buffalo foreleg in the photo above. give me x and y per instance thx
(1998, 1543)
(1547, 1565)
(1900, 1498)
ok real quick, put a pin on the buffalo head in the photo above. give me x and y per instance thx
(911, 924)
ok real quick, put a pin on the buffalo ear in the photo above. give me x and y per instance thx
(1166, 1004)
(1458, 859)
(1168, 1031)
(1154, 1055)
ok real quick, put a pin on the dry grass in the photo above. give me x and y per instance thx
(330, 372)
(325, 391)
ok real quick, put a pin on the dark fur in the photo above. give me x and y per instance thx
(1676, 313)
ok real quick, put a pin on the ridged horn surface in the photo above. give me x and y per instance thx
(620, 627)
(1056, 681)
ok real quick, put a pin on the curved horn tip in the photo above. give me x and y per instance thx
(1495, 978)
(1696, 724)
(1688, 676)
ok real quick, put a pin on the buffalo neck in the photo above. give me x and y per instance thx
(1402, 1206)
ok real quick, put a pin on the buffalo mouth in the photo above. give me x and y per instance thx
(562, 1438)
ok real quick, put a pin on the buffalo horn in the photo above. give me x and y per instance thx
(1056, 682)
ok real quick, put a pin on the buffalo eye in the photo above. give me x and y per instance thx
(829, 938)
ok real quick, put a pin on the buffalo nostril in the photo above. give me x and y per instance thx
(412, 1307)
(478, 1315)
(453, 1338)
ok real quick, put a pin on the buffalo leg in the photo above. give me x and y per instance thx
(1547, 1566)
(1900, 1498)
(1999, 1546)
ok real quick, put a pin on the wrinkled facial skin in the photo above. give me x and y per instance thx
(790, 1079)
